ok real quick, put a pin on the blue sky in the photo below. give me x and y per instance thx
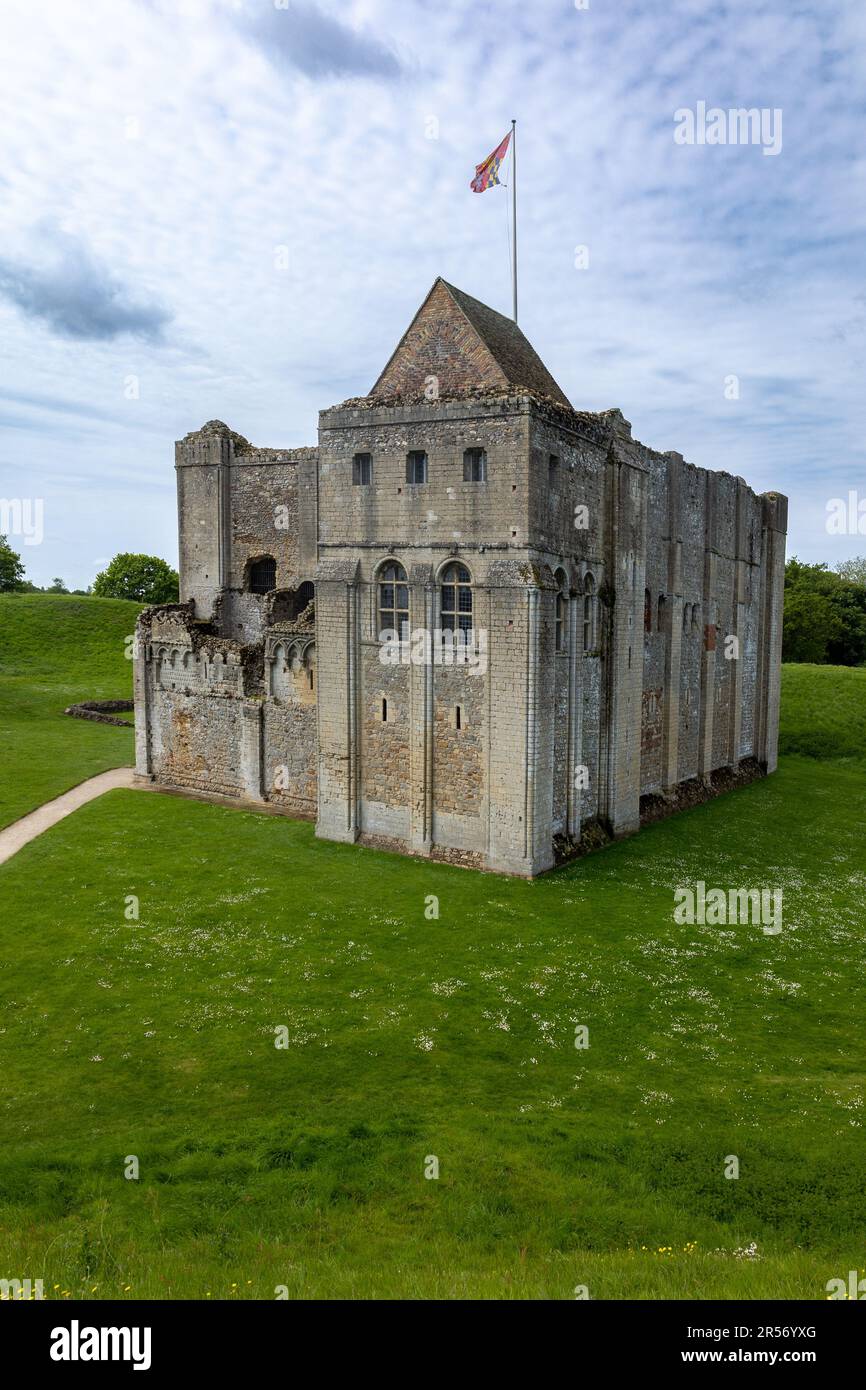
(164, 160)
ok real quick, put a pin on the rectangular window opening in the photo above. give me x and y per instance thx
(474, 466)
(362, 470)
(416, 466)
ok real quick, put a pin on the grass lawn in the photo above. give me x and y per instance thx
(824, 711)
(407, 1038)
(56, 649)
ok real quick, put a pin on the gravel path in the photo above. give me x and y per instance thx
(22, 831)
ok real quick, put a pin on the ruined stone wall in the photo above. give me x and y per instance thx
(195, 740)
(270, 507)
(237, 503)
(212, 739)
(201, 461)
(290, 756)
(215, 717)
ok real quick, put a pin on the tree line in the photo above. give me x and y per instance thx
(146, 579)
(825, 613)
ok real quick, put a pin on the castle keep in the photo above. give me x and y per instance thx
(474, 623)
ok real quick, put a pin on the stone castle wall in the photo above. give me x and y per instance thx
(628, 604)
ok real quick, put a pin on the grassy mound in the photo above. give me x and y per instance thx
(56, 649)
(823, 711)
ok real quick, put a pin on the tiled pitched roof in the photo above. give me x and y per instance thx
(466, 346)
(520, 363)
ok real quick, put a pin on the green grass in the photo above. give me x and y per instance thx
(824, 711)
(54, 651)
(304, 1166)
(453, 1037)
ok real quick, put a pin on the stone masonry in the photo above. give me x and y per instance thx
(617, 611)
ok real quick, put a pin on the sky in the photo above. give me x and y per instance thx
(231, 210)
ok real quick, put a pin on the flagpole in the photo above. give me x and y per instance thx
(514, 215)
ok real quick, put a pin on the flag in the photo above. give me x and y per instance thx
(487, 173)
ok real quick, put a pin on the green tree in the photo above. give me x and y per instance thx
(854, 570)
(11, 568)
(146, 578)
(810, 622)
(825, 616)
(57, 586)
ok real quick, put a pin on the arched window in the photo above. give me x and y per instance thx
(393, 599)
(662, 608)
(305, 594)
(263, 575)
(588, 613)
(456, 599)
(647, 611)
(561, 611)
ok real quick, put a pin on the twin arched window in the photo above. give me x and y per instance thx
(393, 599)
